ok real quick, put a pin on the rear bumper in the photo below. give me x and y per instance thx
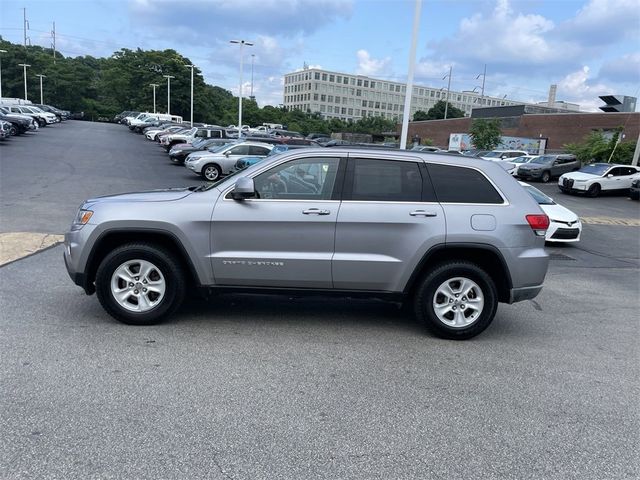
(524, 293)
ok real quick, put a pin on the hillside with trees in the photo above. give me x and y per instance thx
(103, 87)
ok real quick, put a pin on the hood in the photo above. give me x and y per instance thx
(558, 212)
(580, 176)
(532, 166)
(165, 195)
(18, 116)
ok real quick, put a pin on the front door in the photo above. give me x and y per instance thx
(285, 236)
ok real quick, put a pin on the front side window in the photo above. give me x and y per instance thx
(258, 151)
(302, 179)
(462, 185)
(239, 150)
(385, 180)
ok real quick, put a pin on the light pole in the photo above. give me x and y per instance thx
(252, 59)
(191, 67)
(25, 78)
(242, 44)
(446, 104)
(154, 85)
(484, 77)
(412, 61)
(1, 52)
(41, 97)
(168, 77)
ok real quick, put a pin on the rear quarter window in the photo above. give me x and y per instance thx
(455, 184)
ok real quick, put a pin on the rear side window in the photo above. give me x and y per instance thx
(462, 185)
(385, 180)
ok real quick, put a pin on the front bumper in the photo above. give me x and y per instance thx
(528, 174)
(74, 260)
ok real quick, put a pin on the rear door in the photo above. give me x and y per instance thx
(388, 220)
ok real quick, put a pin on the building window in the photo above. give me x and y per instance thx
(373, 84)
(324, 77)
(366, 83)
(364, 103)
(343, 111)
(377, 104)
(339, 78)
(315, 96)
(345, 80)
(323, 98)
(397, 88)
(358, 93)
(332, 78)
(350, 111)
(317, 75)
(330, 109)
(370, 104)
(330, 98)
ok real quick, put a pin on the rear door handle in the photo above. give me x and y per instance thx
(316, 211)
(423, 213)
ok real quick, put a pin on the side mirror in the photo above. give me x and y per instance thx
(243, 189)
(503, 156)
(226, 154)
(610, 175)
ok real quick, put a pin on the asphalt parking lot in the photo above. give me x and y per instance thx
(252, 387)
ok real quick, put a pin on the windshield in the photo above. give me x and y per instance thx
(543, 159)
(595, 169)
(523, 159)
(493, 154)
(538, 196)
(217, 148)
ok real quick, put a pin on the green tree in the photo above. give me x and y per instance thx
(597, 148)
(420, 115)
(485, 133)
(437, 111)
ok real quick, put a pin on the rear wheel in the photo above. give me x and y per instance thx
(140, 284)
(211, 172)
(456, 300)
(594, 190)
(546, 176)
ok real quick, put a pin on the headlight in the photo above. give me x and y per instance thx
(579, 181)
(82, 218)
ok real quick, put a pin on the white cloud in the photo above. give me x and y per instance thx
(371, 66)
(622, 69)
(577, 87)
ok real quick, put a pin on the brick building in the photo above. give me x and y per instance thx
(559, 128)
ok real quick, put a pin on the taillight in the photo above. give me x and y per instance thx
(539, 223)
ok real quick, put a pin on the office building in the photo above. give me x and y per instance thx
(352, 97)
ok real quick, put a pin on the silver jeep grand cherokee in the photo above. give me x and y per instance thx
(452, 235)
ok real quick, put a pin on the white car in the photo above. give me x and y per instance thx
(564, 225)
(212, 164)
(599, 177)
(516, 162)
(498, 155)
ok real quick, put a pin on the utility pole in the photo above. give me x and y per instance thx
(25, 25)
(484, 77)
(168, 77)
(636, 152)
(446, 104)
(53, 42)
(412, 61)
(191, 67)
(154, 85)
(25, 78)
(41, 96)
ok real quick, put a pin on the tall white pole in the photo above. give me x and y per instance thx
(1, 52)
(41, 96)
(154, 85)
(169, 77)
(24, 65)
(242, 44)
(252, 60)
(191, 67)
(446, 105)
(412, 61)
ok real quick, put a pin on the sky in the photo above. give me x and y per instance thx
(587, 47)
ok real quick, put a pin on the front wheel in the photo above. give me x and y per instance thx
(140, 284)
(594, 190)
(211, 172)
(546, 176)
(456, 300)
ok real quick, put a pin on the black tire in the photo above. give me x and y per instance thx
(594, 190)
(425, 295)
(171, 269)
(563, 190)
(546, 176)
(211, 172)
(13, 131)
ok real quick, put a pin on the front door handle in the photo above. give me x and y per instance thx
(423, 213)
(316, 211)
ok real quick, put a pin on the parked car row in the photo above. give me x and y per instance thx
(19, 119)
